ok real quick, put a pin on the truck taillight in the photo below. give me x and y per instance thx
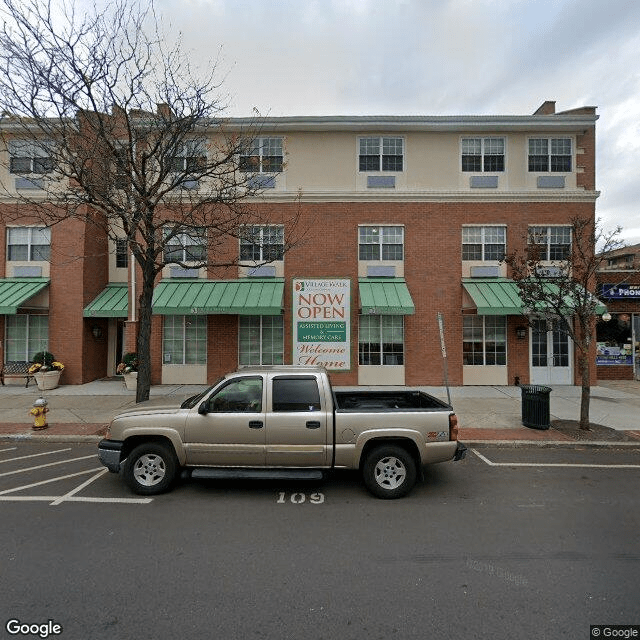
(453, 426)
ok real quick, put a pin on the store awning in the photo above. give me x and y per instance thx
(501, 297)
(385, 296)
(248, 296)
(14, 292)
(112, 302)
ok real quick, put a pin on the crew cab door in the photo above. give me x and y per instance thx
(297, 424)
(229, 429)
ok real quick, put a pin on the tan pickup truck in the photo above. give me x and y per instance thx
(283, 422)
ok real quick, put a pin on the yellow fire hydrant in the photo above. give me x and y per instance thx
(39, 413)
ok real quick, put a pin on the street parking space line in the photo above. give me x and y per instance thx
(37, 484)
(9, 449)
(66, 496)
(50, 464)
(555, 464)
(33, 455)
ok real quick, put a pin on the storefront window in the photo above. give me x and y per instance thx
(615, 340)
(184, 340)
(25, 336)
(484, 340)
(261, 340)
(381, 340)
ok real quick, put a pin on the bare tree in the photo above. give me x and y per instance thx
(129, 138)
(560, 287)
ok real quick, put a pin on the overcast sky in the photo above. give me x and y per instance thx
(434, 57)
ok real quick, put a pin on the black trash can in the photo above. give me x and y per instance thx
(536, 412)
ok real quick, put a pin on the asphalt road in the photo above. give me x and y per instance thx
(482, 549)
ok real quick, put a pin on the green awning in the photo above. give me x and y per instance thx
(501, 297)
(112, 302)
(385, 296)
(248, 296)
(14, 292)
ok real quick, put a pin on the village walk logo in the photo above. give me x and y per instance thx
(321, 323)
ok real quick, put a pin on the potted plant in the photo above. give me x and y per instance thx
(128, 369)
(46, 370)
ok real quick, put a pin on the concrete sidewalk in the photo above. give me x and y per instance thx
(485, 414)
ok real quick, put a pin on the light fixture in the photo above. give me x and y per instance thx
(96, 331)
(606, 316)
(521, 332)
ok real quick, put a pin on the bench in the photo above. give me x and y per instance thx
(16, 369)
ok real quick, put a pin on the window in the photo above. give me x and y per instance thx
(186, 246)
(381, 154)
(484, 340)
(30, 157)
(483, 154)
(381, 340)
(296, 394)
(262, 243)
(261, 340)
(262, 155)
(184, 340)
(190, 157)
(25, 335)
(122, 253)
(553, 243)
(29, 244)
(243, 395)
(483, 243)
(550, 154)
(381, 243)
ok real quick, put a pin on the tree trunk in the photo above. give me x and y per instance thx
(143, 344)
(586, 392)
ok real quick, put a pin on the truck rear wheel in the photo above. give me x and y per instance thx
(150, 468)
(389, 471)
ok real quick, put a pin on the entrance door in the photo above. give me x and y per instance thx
(550, 353)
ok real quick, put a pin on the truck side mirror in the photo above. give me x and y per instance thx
(203, 409)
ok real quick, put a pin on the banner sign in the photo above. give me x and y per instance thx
(621, 291)
(608, 354)
(321, 323)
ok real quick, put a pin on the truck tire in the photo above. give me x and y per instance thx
(389, 471)
(150, 468)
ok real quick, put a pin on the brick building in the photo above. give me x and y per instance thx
(618, 336)
(405, 218)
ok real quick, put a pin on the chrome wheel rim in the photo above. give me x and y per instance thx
(149, 469)
(390, 473)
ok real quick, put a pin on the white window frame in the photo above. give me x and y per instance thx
(270, 340)
(31, 152)
(479, 323)
(380, 230)
(376, 145)
(387, 358)
(485, 151)
(537, 232)
(182, 324)
(263, 244)
(194, 237)
(259, 158)
(30, 232)
(30, 345)
(484, 241)
(549, 154)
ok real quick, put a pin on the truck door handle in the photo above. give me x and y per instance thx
(313, 424)
(256, 424)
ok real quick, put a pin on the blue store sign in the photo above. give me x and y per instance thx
(621, 291)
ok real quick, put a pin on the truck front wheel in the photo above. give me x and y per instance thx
(150, 468)
(389, 471)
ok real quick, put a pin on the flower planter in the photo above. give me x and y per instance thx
(131, 380)
(47, 379)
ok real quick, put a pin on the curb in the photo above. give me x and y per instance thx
(550, 443)
(28, 437)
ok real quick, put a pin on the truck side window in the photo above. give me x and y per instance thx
(296, 394)
(241, 395)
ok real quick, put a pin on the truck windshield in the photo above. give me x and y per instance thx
(191, 402)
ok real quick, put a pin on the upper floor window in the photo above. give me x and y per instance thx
(27, 156)
(29, 243)
(262, 243)
(186, 246)
(122, 253)
(552, 243)
(550, 154)
(484, 243)
(262, 155)
(483, 154)
(190, 157)
(381, 154)
(381, 243)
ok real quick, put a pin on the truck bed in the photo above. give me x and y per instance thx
(410, 400)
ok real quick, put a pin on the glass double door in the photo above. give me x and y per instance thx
(551, 353)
